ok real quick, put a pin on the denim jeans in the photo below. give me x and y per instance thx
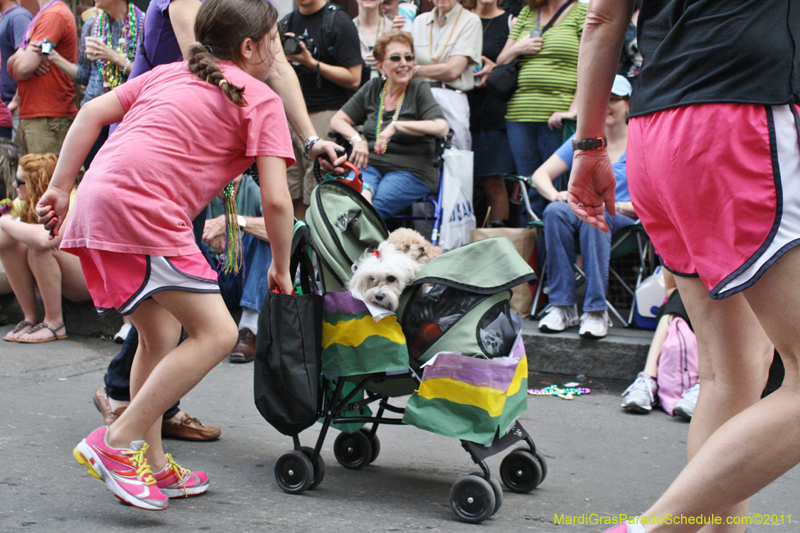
(561, 226)
(394, 191)
(532, 143)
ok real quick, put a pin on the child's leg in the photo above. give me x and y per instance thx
(158, 380)
(654, 353)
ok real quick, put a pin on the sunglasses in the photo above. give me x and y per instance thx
(396, 58)
(387, 2)
(20, 183)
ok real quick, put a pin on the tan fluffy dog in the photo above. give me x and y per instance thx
(414, 245)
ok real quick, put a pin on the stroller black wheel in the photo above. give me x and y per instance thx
(294, 472)
(352, 450)
(376, 445)
(472, 499)
(520, 471)
(498, 491)
(319, 467)
(542, 464)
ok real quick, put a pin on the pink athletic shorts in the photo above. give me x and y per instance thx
(717, 187)
(122, 281)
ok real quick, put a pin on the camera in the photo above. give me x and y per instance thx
(291, 44)
(47, 46)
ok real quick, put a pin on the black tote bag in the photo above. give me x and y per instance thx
(288, 349)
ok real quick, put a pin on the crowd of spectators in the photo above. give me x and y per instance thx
(388, 82)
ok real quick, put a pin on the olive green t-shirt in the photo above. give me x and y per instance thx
(547, 80)
(412, 153)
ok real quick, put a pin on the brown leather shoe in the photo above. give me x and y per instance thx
(104, 406)
(188, 429)
(245, 349)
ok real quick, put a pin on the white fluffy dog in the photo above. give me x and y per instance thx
(380, 276)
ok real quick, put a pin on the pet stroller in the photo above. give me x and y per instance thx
(464, 364)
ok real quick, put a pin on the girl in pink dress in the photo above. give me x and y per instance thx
(186, 131)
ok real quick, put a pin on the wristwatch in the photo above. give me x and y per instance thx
(590, 144)
(242, 221)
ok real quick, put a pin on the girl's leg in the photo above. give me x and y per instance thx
(735, 447)
(163, 373)
(654, 353)
(14, 256)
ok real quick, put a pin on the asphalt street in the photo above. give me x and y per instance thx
(601, 461)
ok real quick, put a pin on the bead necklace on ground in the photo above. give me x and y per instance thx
(111, 74)
(380, 110)
(555, 390)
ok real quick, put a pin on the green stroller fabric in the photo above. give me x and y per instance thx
(353, 343)
(343, 225)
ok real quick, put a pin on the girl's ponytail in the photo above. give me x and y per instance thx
(203, 65)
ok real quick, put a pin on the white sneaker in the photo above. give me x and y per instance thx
(685, 406)
(640, 397)
(122, 334)
(559, 318)
(594, 324)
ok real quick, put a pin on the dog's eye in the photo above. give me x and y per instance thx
(373, 279)
(407, 248)
(391, 279)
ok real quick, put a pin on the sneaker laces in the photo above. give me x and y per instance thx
(141, 465)
(642, 382)
(178, 470)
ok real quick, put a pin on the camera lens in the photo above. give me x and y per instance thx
(291, 46)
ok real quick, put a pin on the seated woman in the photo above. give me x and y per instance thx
(400, 118)
(32, 260)
(561, 226)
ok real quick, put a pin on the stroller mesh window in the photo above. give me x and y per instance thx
(496, 331)
(434, 309)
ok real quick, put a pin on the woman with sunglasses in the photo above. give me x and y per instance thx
(400, 119)
(31, 260)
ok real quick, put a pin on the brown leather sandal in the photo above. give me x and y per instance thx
(19, 327)
(42, 325)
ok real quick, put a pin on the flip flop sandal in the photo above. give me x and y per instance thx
(19, 327)
(42, 325)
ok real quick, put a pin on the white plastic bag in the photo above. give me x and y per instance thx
(458, 215)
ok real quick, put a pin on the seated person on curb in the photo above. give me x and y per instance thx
(641, 396)
(249, 287)
(31, 260)
(400, 118)
(561, 226)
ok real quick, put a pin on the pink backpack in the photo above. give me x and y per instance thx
(677, 366)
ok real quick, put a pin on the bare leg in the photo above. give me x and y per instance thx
(163, 373)
(14, 256)
(299, 208)
(56, 273)
(659, 336)
(497, 194)
(756, 446)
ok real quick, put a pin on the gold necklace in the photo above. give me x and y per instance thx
(430, 46)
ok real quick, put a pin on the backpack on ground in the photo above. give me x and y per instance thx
(677, 366)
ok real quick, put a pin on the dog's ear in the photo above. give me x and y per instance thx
(358, 284)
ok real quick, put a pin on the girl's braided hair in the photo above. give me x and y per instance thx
(37, 170)
(221, 27)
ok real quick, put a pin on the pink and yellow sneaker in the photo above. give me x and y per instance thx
(125, 472)
(177, 482)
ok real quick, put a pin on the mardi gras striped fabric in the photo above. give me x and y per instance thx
(353, 343)
(469, 398)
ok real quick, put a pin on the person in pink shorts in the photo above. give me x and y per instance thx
(714, 174)
(187, 130)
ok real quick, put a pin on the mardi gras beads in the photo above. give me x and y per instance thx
(566, 393)
(5, 206)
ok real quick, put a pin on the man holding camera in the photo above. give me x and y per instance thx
(322, 43)
(47, 96)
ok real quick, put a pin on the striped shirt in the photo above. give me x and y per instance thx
(547, 80)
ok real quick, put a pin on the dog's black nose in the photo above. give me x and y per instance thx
(379, 297)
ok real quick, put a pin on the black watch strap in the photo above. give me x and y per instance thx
(589, 144)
